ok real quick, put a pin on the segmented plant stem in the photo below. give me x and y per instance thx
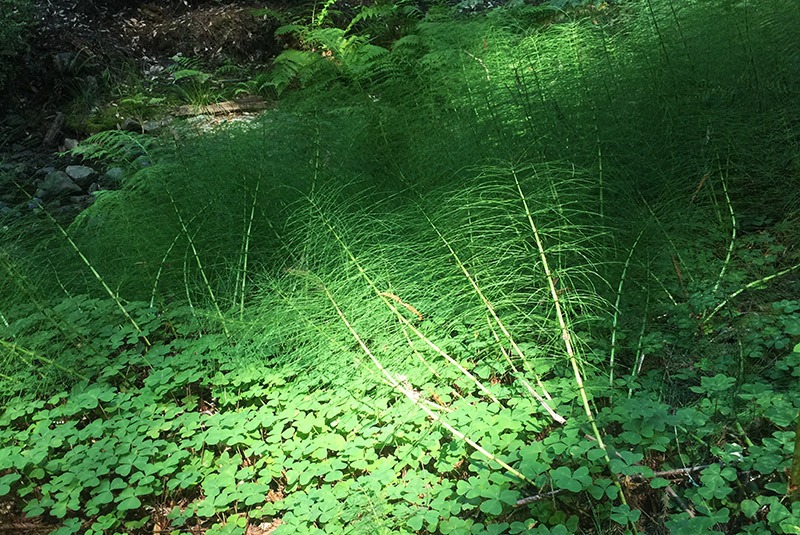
(246, 249)
(615, 321)
(199, 263)
(416, 399)
(733, 232)
(566, 335)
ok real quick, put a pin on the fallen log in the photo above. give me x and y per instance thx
(240, 105)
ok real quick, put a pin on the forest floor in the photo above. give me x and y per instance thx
(520, 270)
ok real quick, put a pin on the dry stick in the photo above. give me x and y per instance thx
(680, 501)
(553, 414)
(400, 316)
(680, 471)
(199, 263)
(537, 497)
(566, 335)
(408, 307)
(636, 477)
(89, 265)
(416, 399)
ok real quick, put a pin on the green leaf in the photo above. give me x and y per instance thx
(777, 487)
(492, 507)
(6, 481)
(415, 522)
(749, 508)
(333, 475)
(129, 503)
(623, 514)
(59, 510)
(659, 483)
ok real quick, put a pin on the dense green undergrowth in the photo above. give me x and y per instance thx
(515, 273)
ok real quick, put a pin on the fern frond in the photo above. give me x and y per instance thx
(115, 146)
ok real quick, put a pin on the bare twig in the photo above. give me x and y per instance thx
(537, 497)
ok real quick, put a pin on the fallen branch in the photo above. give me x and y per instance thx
(244, 104)
(537, 497)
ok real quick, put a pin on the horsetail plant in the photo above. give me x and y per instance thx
(615, 320)
(566, 334)
(113, 295)
(544, 396)
(388, 302)
(166, 255)
(246, 249)
(732, 241)
(401, 384)
(199, 263)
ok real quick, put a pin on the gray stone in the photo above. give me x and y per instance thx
(131, 125)
(142, 161)
(44, 171)
(6, 212)
(7, 186)
(64, 61)
(82, 175)
(82, 201)
(70, 144)
(152, 127)
(112, 178)
(57, 184)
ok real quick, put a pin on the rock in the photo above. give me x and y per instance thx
(112, 178)
(53, 135)
(70, 144)
(7, 213)
(64, 214)
(82, 175)
(13, 188)
(7, 186)
(142, 162)
(131, 125)
(57, 184)
(44, 171)
(152, 127)
(82, 201)
(63, 62)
